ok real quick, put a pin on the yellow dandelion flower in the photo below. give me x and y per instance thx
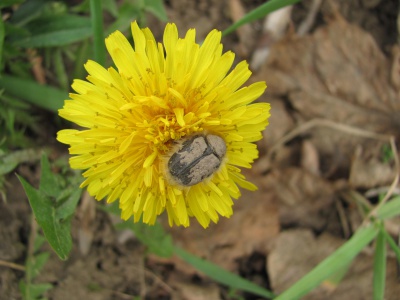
(168, 129)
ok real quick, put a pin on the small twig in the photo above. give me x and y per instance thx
(343, 219)
(395, 182)
(11, 265)
(143, 288)
(330, 124)
(37, 67)
(159, 281)
(352, 196)
(353, 131)
(398, 244)
(359, 198)
(122, 295)
(380, 190)
(310, 19)
(147, 273)
(398, 26)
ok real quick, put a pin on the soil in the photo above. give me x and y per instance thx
(343, 69)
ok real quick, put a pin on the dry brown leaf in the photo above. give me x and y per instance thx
(190, 291)
(340, 74)
(297, 252)
(245, 32)
(280, 123)
(310, 158)
(294, 254)
(305, 199)
(252, 226)
(86, 213)
(368, 171)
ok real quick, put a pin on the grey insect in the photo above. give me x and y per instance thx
(197, 159)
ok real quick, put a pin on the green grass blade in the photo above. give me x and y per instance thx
(59, 67)
(2, 36)
(96, 15)
(57, 30)
(81, 57)
(127, 13)
(390, 209)
(43, 96)
(393, 245)
(258, 13)
(5, 3)
(27, 11)
(156, 7)
(332, 264)
(335, 279)
(154, 237)
(379, 266)
(222, 276)
(111, 6)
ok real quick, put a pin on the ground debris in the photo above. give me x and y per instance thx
(340, 75)
(296, 252)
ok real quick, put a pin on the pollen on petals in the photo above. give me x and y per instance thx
(137, 115)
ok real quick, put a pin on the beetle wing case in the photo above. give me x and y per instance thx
(196, 159)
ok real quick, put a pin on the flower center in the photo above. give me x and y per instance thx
(163, 130)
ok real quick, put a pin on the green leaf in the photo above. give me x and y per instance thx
(57, 233)
(153, 236)
(69, 201)
(2, 36)
(36, 263)
(28, 11)
(48, 182)
(33, 291)
(156, 7)
(111, 6)
(112, 208)
(258, 13)
(41, 95)
(379, 266)
(390, 209)
(332, 264)
(7, 3)
(127, 14)
(59, 67)
(82, 55)
(10, 161)
(53, 206)
(222, 276)
(56, 30)
(39, 241)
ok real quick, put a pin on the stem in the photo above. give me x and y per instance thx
(98, 31)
